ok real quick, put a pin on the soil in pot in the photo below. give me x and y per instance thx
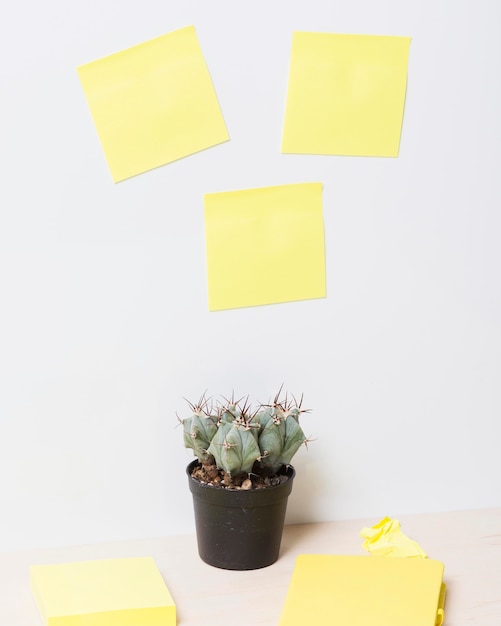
(211, 475)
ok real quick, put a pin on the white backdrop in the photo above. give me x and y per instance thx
(104, 324)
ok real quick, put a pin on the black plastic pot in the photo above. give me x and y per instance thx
(239, 529)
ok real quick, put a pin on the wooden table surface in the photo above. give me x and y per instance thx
(467, 542)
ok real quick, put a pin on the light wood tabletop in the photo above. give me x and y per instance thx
(467, 542)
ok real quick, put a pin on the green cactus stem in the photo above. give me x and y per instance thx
(241, 442)
(280, 439)
(235, 449)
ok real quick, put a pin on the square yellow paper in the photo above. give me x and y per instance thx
(107, 592)
(265, 245)
(346, 590)
(346, 94)
(153, 103)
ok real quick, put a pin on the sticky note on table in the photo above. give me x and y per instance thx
(346, 94)
(109, 592)
(345, 590)
(265, 245)
(386, 538)
(153, 103)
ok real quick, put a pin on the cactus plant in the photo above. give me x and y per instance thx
(241, 446)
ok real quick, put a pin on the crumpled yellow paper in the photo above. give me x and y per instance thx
(387, 539)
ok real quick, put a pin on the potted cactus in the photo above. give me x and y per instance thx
(241, 477)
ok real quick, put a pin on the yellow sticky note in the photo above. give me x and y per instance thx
(153, 103)
(109, 592)
(265, 245)
(346, 94)
(345, 590)
(387, 539)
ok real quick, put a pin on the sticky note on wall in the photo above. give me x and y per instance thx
(153, 103)
(346, 94)
(109, 592)
(265, 245)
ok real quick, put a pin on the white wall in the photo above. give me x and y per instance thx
(104, 324)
